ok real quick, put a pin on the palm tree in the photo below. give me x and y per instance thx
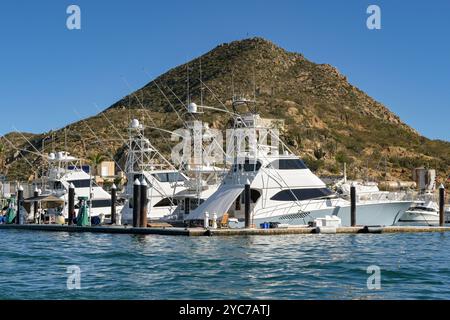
(95, 160)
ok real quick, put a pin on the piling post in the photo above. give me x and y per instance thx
(206, 220)
(136, 202)
(71, 213)
(113, 203)
(441, 205)
(143, 205)
(248, 222)
(214, 220)
(19, 203)
(35, 205)
(353, 205)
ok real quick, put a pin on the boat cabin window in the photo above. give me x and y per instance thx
(86, 183)
(101, 203)
(166, 202)
(247, 166)
(287, 164)
(301, 194)
(169, 177)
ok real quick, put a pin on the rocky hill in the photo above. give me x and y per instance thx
(328, 121)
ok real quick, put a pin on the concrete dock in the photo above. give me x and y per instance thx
(172, 231)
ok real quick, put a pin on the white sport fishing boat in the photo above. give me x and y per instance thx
(163, 183)
(426, 212)
(204, 176)
(65, 170)
(284, 190)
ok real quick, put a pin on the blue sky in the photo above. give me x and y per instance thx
(47, 71)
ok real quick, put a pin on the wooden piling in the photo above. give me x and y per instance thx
(35, 205)
(19, 203)
(113, 203)
(441, 205)
(71, 213)
(136, 203)
(248, 222)
(353, 205)
(143, 205)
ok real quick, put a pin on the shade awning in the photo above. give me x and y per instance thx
(219, 202)
(45, 198)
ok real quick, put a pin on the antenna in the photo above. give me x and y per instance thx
(65, 139)
(254, 84)
(232, 82)
(188, 98)
(201, 83)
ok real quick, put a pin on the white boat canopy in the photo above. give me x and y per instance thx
(219, 202)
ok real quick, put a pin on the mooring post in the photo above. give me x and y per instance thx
(35, 205)
(214, 220)
(71, 213)
(113, 203)
(19, 203)
(206, 220)
(441, 205)
(143, 204)
(136, 202)
(248, 222)
(353, 205)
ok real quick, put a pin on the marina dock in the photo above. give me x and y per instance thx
(197, 232)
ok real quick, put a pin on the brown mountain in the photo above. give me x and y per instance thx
(328, 121)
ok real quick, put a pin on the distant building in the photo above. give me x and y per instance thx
(106, 174)
(106, 169)
(425, 179)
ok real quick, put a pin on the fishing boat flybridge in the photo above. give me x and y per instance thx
(282, 188)
(65, 170)
(204, 174)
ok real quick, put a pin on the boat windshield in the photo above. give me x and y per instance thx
(287, 164)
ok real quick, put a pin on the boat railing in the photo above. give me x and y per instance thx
(385, 196)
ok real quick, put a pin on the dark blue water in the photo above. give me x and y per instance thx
(33, 265)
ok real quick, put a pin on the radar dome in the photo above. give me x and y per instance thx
(192, 108)
(135, 124)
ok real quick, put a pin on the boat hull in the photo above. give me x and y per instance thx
(419, 217)
(380, 213)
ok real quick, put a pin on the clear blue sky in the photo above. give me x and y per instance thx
(47, 71)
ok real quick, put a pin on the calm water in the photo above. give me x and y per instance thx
(33, 265)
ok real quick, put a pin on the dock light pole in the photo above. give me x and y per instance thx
(353, 205)
(136, 202)
(35, 205)
(441, 205)
(143, 204)
(19, 203)
(71, 213)
(247, 205)
(113, 203)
